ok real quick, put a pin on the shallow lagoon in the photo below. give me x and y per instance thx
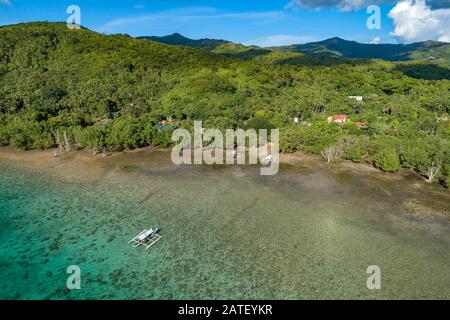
(307, 233)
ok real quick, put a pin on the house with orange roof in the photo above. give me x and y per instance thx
(362, 124)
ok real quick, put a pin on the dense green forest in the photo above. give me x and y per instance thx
(337, 47)
(330, 48)
(81, 89)
(179, 40)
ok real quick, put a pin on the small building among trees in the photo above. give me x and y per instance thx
(362, 124)
(357, 98)
(340, 118)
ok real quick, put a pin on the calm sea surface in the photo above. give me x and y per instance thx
(228, 233)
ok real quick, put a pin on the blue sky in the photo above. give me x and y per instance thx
(244, 21)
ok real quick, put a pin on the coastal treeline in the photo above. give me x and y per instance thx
(79, 89)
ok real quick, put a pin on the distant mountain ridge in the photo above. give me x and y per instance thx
(180, 40)
(333, 48)
(340, 48)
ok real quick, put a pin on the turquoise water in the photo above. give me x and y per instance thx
(228, 234)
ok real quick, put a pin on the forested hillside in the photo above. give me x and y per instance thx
(179, 40)
(340, 48)
(427, 51)
(80, 89)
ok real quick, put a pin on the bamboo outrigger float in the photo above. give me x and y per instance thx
(146, 238)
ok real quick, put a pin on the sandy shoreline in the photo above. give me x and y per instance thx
(84, 166)
(426, 200)
(84, 159)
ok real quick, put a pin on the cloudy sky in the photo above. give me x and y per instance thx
(259, 22)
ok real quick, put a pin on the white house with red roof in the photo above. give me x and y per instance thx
(339, 118)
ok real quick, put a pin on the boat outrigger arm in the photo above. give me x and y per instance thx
(146, 238)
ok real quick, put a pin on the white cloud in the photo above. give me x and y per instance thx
(7, 2)
(352, 5)
(279, 40)
(445, 38)
(375, 40)
(414, 21)
(343, 5)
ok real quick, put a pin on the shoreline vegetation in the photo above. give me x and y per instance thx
(426, 201)
(77, 89)
(54, 159)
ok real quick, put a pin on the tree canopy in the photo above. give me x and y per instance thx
(78, 88)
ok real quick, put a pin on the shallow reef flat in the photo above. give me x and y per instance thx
(309, 232)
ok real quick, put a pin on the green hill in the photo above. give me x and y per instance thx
(178, 39)
(339, 48)
(432, 51)
(80, 89)
(226, 48)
